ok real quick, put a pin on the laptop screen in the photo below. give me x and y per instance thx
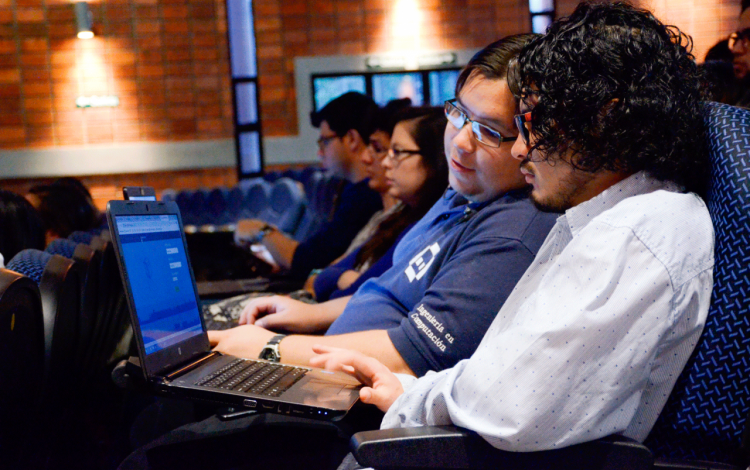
(163, 295)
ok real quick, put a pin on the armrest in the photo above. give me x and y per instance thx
(448, 447)
(676, 464)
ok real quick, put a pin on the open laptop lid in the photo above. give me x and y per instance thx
(159, 285)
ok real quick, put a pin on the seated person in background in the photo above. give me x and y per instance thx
(595, 334)
(418, 182)
(21, 226)
(66, 206)
(452, 271)
(379, 142)
(416, 175)
(345, 126)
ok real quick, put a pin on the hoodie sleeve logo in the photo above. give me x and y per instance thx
(419, 265)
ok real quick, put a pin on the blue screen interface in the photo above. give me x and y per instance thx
(442, 86)
(391, 86)
(160, 281)
(328, 88)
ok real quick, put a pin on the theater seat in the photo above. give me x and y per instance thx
(704, 423)
(89, 260)
(286, 205)
(21, 364)
(59, 281)
(256, 196)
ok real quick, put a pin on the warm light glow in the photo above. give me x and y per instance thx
(407, 25)
(85, 35)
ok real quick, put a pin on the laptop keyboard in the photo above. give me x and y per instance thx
(260, 378)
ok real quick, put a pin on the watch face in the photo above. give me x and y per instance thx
(269, 355)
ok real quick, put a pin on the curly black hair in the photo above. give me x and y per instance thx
(616, 90)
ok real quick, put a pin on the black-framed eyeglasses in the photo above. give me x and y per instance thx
(739, 36)
(523, 124)
(323, 141)
(397, 155)
(484, 134)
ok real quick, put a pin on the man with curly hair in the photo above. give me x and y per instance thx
(595, 334)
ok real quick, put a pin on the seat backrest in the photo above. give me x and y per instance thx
(168, 195)
(112, 315)
(706, 413)
(22, 363)
(256, 200)
(81, 237)
(59, 281)
(234, 205)
(216, 206)
(285, 206)
(88, 259)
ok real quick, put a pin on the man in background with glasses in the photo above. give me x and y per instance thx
(739, 44)
(345, 125)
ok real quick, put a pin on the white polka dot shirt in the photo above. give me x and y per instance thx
(593, 337)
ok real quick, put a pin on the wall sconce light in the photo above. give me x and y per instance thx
(83, 20)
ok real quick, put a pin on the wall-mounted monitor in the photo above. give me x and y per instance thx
(424, 87)
(442, 86)
(327, 88)
(391, 86)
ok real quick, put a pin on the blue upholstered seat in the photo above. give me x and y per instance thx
(285, 206)
(707, 411)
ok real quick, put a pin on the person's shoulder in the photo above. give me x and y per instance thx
(676, 227)
(668, 210)
(513, 216)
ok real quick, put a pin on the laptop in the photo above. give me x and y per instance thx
(173, 346)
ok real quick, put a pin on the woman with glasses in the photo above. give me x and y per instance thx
(415, 174)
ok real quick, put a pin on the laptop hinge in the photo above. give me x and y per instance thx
(191, 366)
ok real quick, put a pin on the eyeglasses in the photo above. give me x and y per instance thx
(323, 141)
(739, 36)
(397, 155)
(525, 131)
(484, 134)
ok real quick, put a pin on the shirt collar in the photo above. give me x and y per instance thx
(460, 200)
(639, 183)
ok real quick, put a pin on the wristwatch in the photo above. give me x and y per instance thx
(265, 230)
(271, 351)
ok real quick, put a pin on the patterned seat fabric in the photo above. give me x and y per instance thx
(62, 247)
(30, 263)
(705, 416)
(81, 237)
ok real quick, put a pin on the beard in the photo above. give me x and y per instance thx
(568, 188)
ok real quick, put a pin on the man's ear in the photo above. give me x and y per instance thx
(353, 140)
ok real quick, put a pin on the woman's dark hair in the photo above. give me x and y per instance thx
(21, 227)
(617, 90)
(66, 206)
(493, 62)
(426, 125)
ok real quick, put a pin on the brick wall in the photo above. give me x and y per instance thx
(165, 59)
(290, 28)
